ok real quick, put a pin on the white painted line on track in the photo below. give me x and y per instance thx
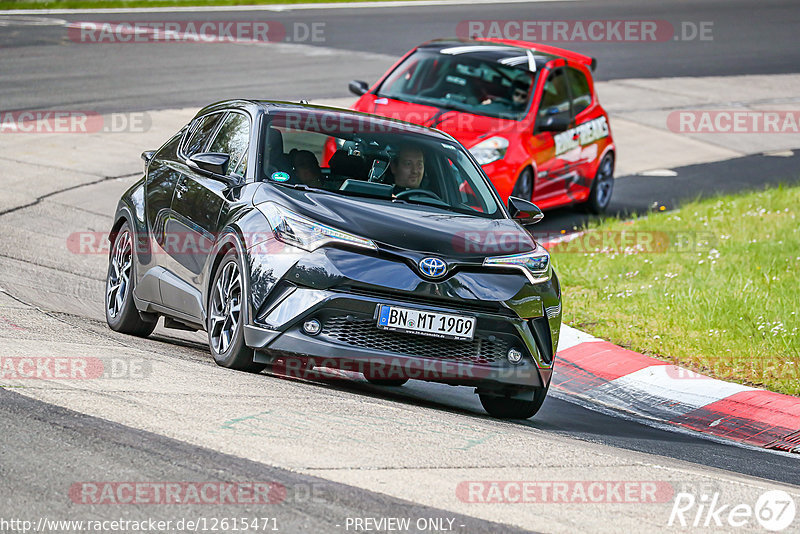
(570, 337)
(672, 383)
(599, 406)
(276, 7)
(31, 21)
(659, 173)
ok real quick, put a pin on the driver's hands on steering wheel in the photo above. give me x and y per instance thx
(409, 192)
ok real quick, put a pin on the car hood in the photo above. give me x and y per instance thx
(468, 128)
(407, 227)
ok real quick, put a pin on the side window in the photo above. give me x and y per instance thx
(233, 138)
(555, 99)
(201, 134)
(401, 83)
(579, 87)
(466, 195)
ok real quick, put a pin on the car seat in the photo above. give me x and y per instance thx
(343, 164)
(275, 160)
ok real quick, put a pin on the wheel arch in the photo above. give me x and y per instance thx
(121, 219)
(529, 166)
(609, 150)
(230, 239)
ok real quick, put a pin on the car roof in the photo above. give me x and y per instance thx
(304, 113)
(311, 113)
(508, 52)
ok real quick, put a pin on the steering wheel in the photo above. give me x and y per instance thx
(410, 192)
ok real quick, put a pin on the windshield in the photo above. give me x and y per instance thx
(349, 155)
(461, 81)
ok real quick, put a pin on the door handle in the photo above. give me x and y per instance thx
(180, 189)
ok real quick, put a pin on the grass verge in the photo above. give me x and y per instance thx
(103, 4)
(713, 286)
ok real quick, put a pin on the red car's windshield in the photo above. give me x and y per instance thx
(462, 82)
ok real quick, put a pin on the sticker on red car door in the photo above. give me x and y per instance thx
(582, 134)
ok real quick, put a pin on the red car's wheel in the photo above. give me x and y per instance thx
(602, 186)
(524, 187)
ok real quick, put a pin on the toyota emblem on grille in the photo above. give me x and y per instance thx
(432, 267)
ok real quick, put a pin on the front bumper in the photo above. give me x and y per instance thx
(350, 340)
(343, 290)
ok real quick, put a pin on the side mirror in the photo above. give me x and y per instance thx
(147, 156)
(211, 162)
(358, 87)
(554, 123)
(524, 211)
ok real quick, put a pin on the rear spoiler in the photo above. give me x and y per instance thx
(547, 49)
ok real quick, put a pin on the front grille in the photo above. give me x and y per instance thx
(364, 334)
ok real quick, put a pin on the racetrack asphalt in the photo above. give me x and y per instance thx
(34, 485)
(43, 69)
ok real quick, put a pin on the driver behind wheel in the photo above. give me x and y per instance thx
(407, 168)
(519, 94)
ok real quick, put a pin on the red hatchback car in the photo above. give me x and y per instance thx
(527, 112)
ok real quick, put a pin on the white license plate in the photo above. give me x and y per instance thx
(426, 323)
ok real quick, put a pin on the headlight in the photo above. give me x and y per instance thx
(490, 150)
(535, 264)
(309, 235)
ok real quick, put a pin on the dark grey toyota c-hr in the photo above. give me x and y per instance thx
(301, 236)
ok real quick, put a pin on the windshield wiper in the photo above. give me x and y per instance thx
(445, 105)
(301, 187)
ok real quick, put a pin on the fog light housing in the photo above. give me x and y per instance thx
(312, 327)
(514, 355)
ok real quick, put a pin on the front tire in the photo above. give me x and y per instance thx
(602, 186)
(225, 318)
(508, 408)
(121, 313)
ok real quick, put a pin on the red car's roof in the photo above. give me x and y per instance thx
(547, 49)
(543, 50)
